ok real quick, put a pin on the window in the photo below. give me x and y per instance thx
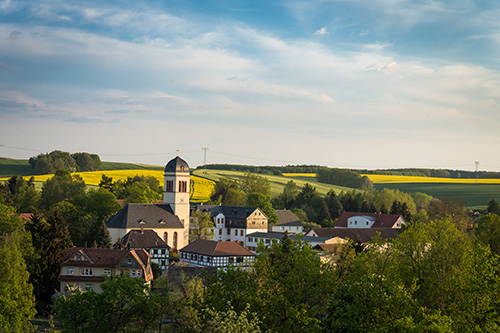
(155, 251)
(86, 272)
(165, 237)
(366, 222)
(267, 241)
(107, 271)
(235, 232)
(175, 241)
(229, 231)
(163, 262)
(129, 261)
(169, 186)
(70, 271)
(133, 273)
(182, 186)
(138, 273)
(250, 239)
(89, 287)
(220, 231)
(241, 232)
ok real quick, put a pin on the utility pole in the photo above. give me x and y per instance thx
(204, 157)
(477, 171)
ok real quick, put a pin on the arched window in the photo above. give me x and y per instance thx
(175, 241)
(165, 237)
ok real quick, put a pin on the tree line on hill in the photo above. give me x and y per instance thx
(334, 176)
(440, 173)
(350, 177)
(58, 160)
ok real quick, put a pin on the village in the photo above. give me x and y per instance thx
(148, 233)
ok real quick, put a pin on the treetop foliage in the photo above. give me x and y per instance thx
(56, 160)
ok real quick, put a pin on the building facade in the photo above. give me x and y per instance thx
(86, 268)
(148, 240)
(234, 223)
(208, 253)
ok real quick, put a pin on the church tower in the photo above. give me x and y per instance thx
(176, 190)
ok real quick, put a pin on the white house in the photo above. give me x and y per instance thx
(287, 221)
(369, 220)
(233, 223)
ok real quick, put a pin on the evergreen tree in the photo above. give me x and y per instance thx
(493, 207)
(50, 240)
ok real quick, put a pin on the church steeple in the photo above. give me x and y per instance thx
(176, 190)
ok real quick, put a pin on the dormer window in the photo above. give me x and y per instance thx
(142, 222)
(163, 222)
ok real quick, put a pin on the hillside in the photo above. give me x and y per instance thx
(277, 182)
(10, 167)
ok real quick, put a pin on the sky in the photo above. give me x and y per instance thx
(339, 83)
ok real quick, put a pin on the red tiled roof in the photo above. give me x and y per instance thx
(382, 220)
(102, 257)
(216, 249)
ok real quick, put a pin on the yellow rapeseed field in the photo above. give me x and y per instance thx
(201, 187)
(386, 179)
(299, 175)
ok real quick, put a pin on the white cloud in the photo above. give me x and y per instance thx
(320, 32)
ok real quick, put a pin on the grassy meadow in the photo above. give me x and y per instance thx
(277, 182)
(390, 179)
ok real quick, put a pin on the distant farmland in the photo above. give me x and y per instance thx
(201, 187)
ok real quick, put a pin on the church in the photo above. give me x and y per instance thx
(170, 219)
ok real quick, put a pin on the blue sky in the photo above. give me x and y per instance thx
(357, 84)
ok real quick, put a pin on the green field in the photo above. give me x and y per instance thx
(477, 196)
(277, 182)
(9, 167)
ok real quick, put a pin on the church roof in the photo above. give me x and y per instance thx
(177, 165)
(147, 216)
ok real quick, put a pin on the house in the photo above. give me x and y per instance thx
(170, 219)
(287, 221)
(150, 241)
(267, 238)
(355, 234)
(233, 223)
(85, 268)
(210, 253)
(369, 220)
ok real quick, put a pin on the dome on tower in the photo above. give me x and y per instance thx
(177, 165)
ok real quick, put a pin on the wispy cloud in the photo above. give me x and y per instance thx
(321, 31)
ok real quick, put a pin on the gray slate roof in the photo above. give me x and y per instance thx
(177, 165)
(287, 218)
(148, 216)
(143, 239)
